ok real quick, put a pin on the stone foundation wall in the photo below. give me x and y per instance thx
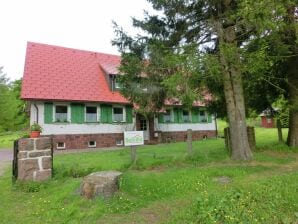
(109, 140)
(182, 135)
(34, 159)
(81, 141)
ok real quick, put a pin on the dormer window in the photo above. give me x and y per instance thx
(115, 84)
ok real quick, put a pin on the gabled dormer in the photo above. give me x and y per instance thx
(114, 82)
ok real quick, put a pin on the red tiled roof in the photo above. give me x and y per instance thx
(58, 73)
(198, 103)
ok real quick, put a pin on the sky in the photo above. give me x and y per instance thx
(80, 24)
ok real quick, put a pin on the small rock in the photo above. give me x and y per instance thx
(223, 180)
(104, 184)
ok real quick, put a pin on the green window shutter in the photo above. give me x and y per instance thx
(128, 114)
(180, 111)
(195, 115)
(160, 118)
(176, 115)
(48, 113)
(77, 113)
(209, 118)
(106, 113)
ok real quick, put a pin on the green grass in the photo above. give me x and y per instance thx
(7, 139)
(165, 186)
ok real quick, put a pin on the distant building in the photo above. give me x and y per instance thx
(268, 118)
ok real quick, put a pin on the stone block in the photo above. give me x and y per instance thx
(39, 153)
(22, 155)
(26, 168)
(43, 143)
(43, 175)
(103, 184)
(26, 144)
(47, 163)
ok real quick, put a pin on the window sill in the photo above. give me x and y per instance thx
(60, 122)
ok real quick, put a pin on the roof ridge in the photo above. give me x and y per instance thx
(70, 48)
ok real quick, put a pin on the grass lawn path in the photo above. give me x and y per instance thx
(161, 211)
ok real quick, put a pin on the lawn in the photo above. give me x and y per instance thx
(7, 139)
(165, 186)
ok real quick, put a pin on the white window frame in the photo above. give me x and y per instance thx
(63, 147)
(206, 116)
(120, 143)
(68, 112)
(117, 84)
(171, 116)
(124, 113)
(189, 116)
(91, 146)
(97, 113)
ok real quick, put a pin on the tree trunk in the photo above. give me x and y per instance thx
(133, 154)
(233, 90)
(292, 140)
(279, 130)
(292, 69)
(236, 113)
(189, 142)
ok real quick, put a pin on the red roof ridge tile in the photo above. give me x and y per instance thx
(70, 48)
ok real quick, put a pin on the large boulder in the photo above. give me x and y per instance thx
(103, 184)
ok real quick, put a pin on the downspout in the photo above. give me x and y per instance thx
(36, 112)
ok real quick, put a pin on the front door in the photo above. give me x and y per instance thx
(144, 126)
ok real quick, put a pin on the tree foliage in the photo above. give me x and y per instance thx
(219, 45)
(12, 109)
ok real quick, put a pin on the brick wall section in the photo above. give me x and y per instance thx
(182, 135)
(109, 140)
(34, 159)
(81, 141)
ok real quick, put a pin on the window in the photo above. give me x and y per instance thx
(60, 145)
(117, 84)
(119, 142)
(203, 116)
(143, 124)
(61, 113)
(167, 116)
(185, 116)
(92, 144)
(91, 114)
(118, 115)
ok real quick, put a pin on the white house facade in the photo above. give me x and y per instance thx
(74, 99)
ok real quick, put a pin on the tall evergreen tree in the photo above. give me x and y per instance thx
(291, 63)
(212, 35)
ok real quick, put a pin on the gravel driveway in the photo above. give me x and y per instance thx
(6, 156)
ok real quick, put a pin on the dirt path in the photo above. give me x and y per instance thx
(5, 159)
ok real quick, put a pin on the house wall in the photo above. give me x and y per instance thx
(178, 127)
(69, 128)
(267, 122)
(178, 136)
(77, 136)
(172, 132)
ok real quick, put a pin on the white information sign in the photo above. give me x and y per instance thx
(133, 138)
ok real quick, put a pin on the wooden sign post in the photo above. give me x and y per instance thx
(132, 139)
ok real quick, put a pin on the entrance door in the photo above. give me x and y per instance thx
(144, 126)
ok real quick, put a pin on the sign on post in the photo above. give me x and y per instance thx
(132, 138)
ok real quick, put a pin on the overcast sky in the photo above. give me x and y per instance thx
(81, 24)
